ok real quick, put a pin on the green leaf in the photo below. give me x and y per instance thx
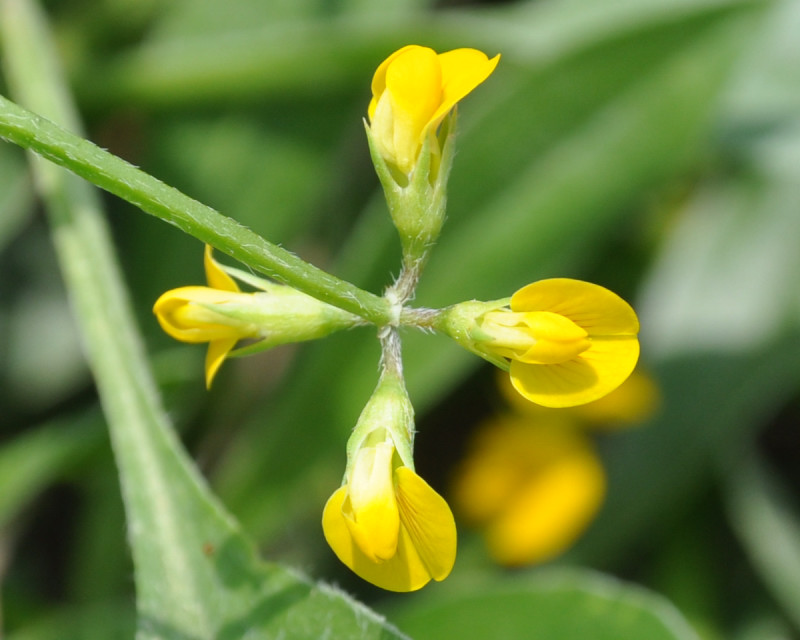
(33, 460)
(567, 605)
(197, 576)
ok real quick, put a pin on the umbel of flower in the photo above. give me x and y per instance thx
(410, 132)
(385, 522)
(564, 342)
(222, 315)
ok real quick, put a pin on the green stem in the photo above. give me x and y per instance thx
(113, 174)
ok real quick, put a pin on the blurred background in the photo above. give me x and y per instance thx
(651, 146)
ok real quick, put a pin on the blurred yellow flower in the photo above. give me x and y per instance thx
(532, 486)
(388, 525)
(531, 479)
(413, 90)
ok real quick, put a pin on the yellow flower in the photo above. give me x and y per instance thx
(565, 342)
(413, 90)
(532, 486)
(222, 315)
(191, 314)
(386, 523)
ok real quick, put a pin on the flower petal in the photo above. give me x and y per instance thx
(405, 571)
(590, 306)
(550, 510)
(462, 71)
(594, 373)
(414, 84)
(217, 352)
(215, 276)
(429, 522)
(370, 509)
(182, 314)
(379, 77)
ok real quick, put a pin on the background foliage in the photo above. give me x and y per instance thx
(651, 146)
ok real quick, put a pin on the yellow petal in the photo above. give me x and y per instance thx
(429, 522)
(550, 510)
(594, 373)
(414, 85)
(370, 509)
(185, 315)
(462, 71)
(379, 78)
(590, 306)
(405, 571)
(217, 352)
(215, 276)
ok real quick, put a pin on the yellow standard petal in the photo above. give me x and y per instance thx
(462, 71)
(594, 308)
(414, 90)
(611, 326)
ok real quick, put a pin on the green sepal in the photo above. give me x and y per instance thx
(417, 202)
(387, 414)
(462, 323)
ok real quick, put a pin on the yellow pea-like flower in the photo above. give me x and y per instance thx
(385, 522)
(413, 90)
(389, 526)
(222, 315)
(564, 342)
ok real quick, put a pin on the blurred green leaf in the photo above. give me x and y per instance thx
(39, 456)
(725, 276)
(15, 194)
(568, 605)
(768, 525)
(104, 621)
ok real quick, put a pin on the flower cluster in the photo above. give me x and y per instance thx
(564, 342)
